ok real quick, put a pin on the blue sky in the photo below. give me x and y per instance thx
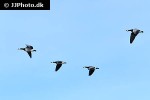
(82, 33)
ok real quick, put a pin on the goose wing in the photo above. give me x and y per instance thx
(132, 37)
(91, 72)
(29, 46)
(30, 54)
(58, 67)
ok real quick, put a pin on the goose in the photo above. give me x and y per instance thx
(134, 33)
(28, 49)
(91, 69)
(58, 64)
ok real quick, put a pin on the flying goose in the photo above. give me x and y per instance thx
(58, 64)
(91, 69)
(28, 49)
(134, 33)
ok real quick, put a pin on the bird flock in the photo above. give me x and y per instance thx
(29, 49)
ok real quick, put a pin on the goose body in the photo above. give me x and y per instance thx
(91, 69)
(58, 64)
(134, 33)
(28, 49)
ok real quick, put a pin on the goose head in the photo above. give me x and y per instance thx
(129, 30)
(21, 49)
(85, 67)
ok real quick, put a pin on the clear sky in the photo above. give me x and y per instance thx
(82, 33)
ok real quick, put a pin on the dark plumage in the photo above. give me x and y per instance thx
(58, 64)
(91, 69)
(134, 33)
(28, 49)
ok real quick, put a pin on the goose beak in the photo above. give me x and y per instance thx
(19, 49)
(85, 67)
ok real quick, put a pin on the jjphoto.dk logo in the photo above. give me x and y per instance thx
(25, 5)
(28, 5)
(6, 5)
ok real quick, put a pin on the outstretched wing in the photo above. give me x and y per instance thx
(58, 67)
(30, 54)
(29, 46)
(132, 37)
(91, 72)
